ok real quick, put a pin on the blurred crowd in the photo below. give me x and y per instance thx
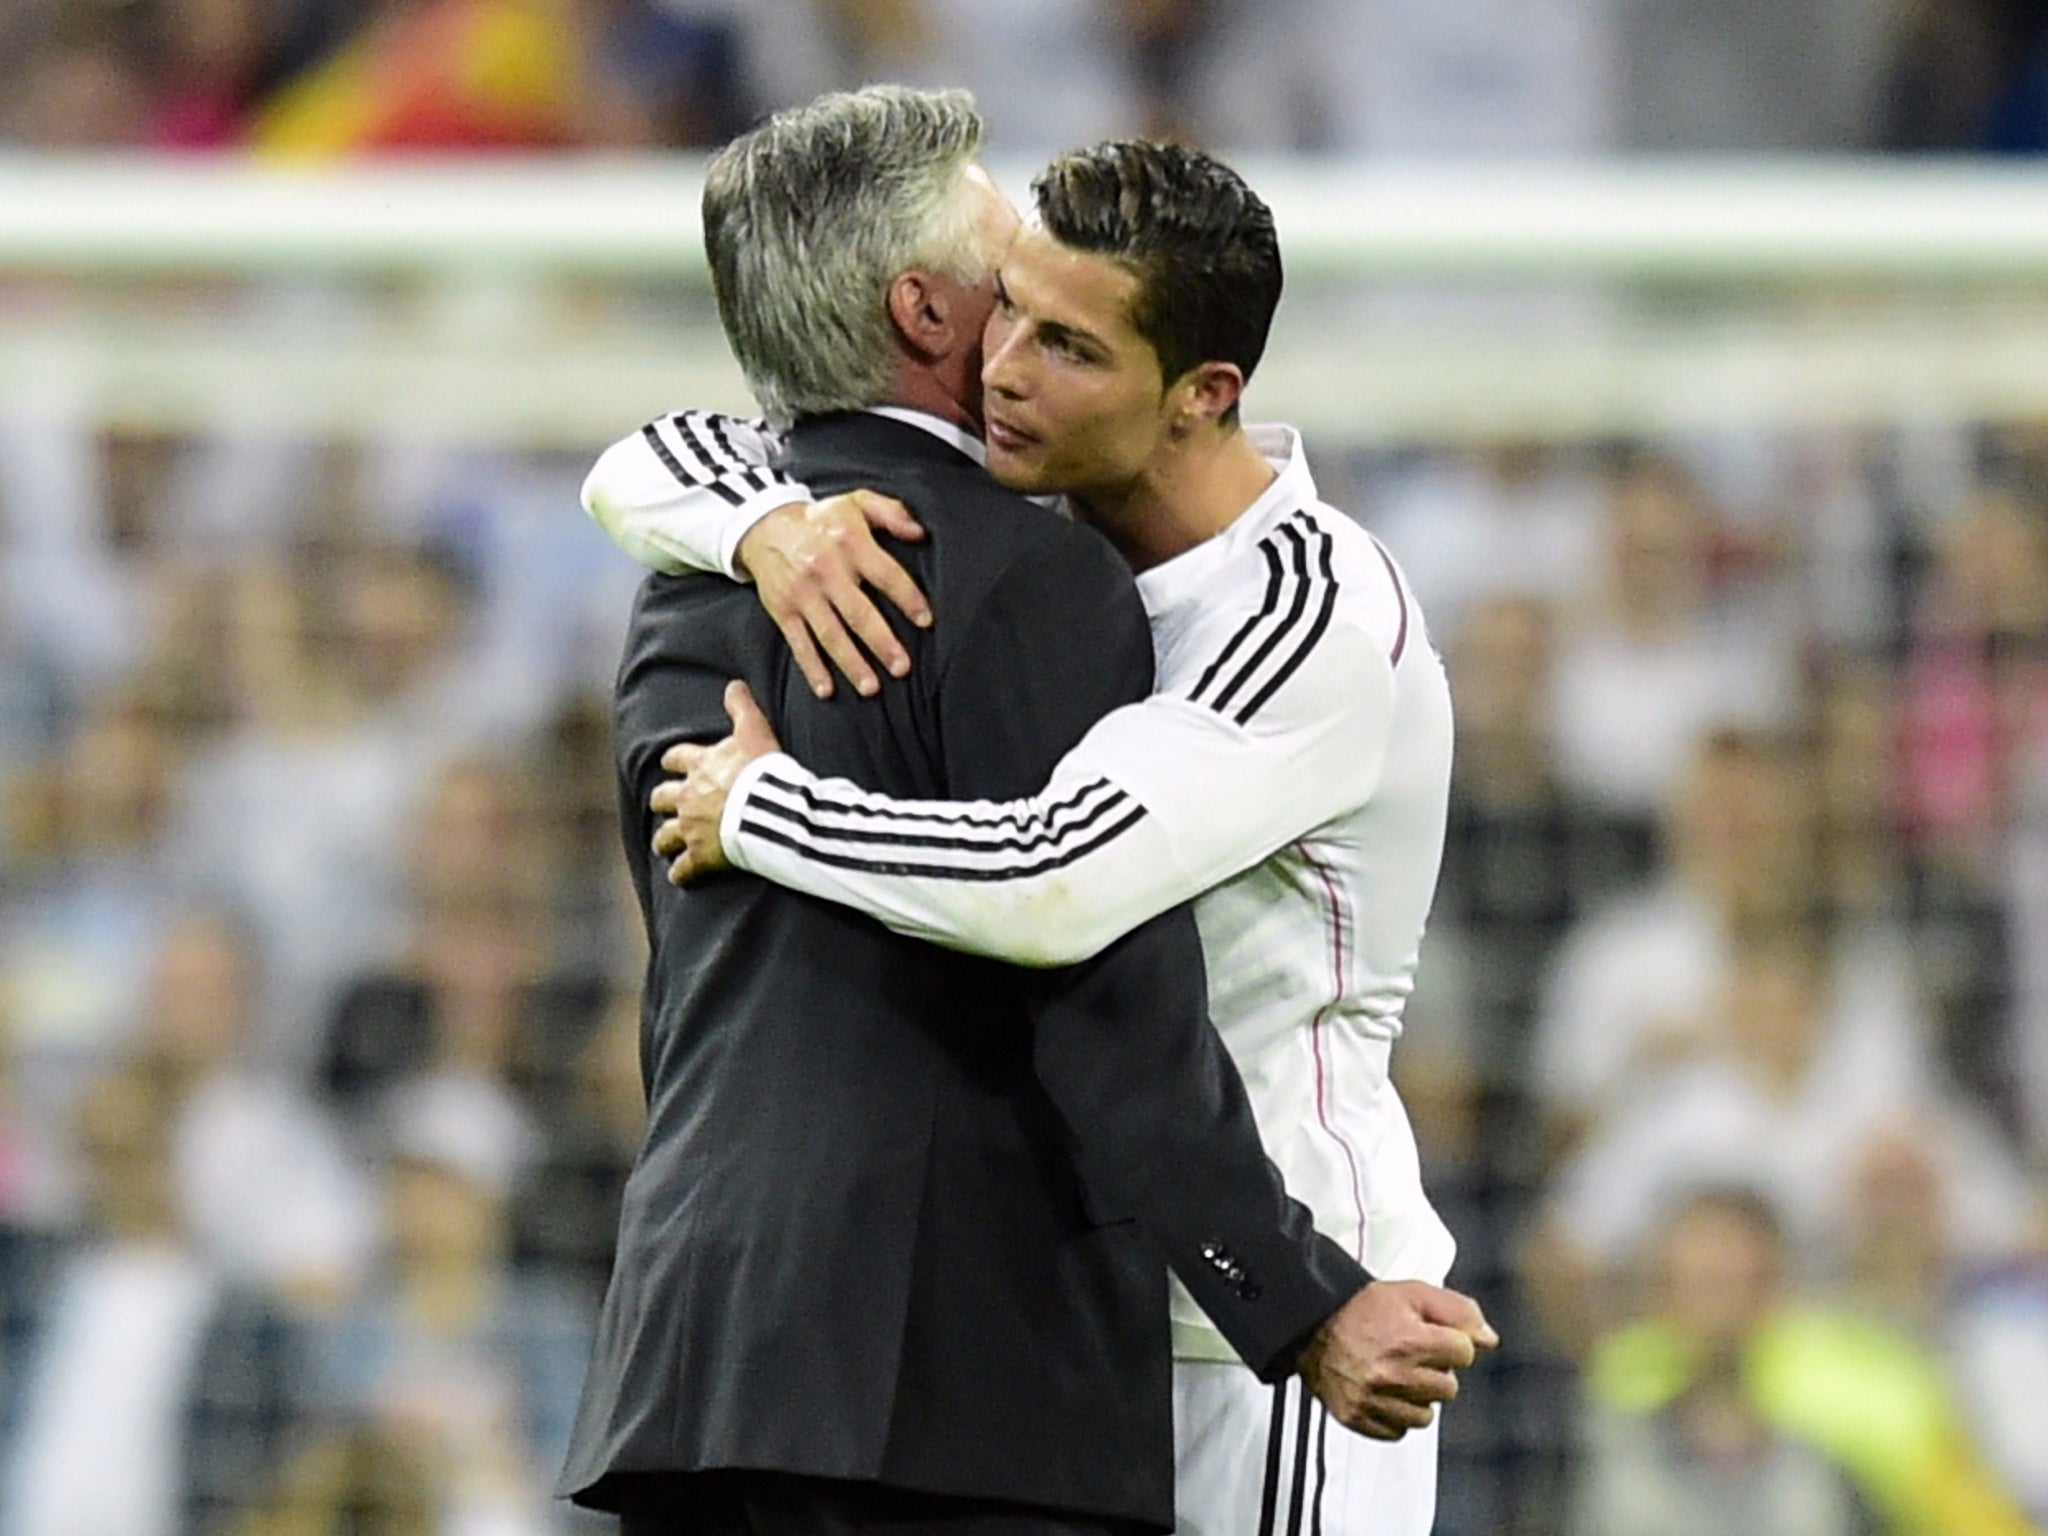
(319, 1047)
(315, 78)
(1729, 1055)
(319, 1044)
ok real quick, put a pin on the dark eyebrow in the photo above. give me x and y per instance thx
(1054, 330)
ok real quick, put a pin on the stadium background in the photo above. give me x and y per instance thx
(1691, 357)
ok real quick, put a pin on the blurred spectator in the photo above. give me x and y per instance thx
(1690, 1449)
(1968, 75)
(1998, 1327)
(1634, 980)
(1900, 1260)
(1749, 76)
(1975, 717)
(77, 88)
(76, 503)
(212, 62)
(1837, 520)
(478, 989)
(147, 1349)
(452, 1353)
(270, 1192)
(1049, 74)
(670, 72)
(1516, 518)
(1953, 924)
(1977, 682)
(365, 1479)
(1165, 37)
(347, 671)
(1856, 730)
(1651, 666)
(1801, 1091)
(1725, 1346)
(542, 595)
(91, 884)
(1467, 78)
(1524, 856)
(35, 706)
(1418, 79)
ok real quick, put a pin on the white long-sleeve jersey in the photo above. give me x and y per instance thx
(1289, 776)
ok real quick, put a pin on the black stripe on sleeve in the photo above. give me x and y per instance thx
(689, 430)
(1296, 606)
(1266, 608)
(716, 423)
(816, 833)
(663, 452)
(1294, 1509)
(1301, 652)
(752, 827)
(1269, 1501)
(683, 477)
(963, 816)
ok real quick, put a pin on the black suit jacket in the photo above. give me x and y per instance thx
(900, 1211)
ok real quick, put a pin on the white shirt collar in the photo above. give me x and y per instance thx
(1293, 488)
(945, 431)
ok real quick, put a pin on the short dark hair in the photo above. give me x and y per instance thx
(1199, 240)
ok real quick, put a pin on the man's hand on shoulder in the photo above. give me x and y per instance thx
(693, 802)
(811, 563)
(1389, 1355)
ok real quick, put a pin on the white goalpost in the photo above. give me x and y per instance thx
(544, 303)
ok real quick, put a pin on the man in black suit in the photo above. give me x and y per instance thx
(891, 1253)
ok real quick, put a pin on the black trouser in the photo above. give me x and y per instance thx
(775, 1504)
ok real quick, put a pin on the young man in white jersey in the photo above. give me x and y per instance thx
(1290, 774)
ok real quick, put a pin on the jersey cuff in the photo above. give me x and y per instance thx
(736, 806)
(739, 522)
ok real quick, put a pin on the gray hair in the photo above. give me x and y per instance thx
(809, 218)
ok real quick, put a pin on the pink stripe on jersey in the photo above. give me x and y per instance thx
(1325, 1072)
(1394, 575)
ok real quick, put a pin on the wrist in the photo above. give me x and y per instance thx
(730, 819)
(745, 520)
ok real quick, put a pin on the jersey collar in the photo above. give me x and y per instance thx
(1293, 488)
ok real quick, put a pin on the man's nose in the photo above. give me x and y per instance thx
(1000, 373)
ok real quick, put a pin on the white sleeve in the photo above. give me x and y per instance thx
(680, 494)
(1157, 803)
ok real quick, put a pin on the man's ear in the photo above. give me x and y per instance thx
(1203, 395)
(921, 309)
